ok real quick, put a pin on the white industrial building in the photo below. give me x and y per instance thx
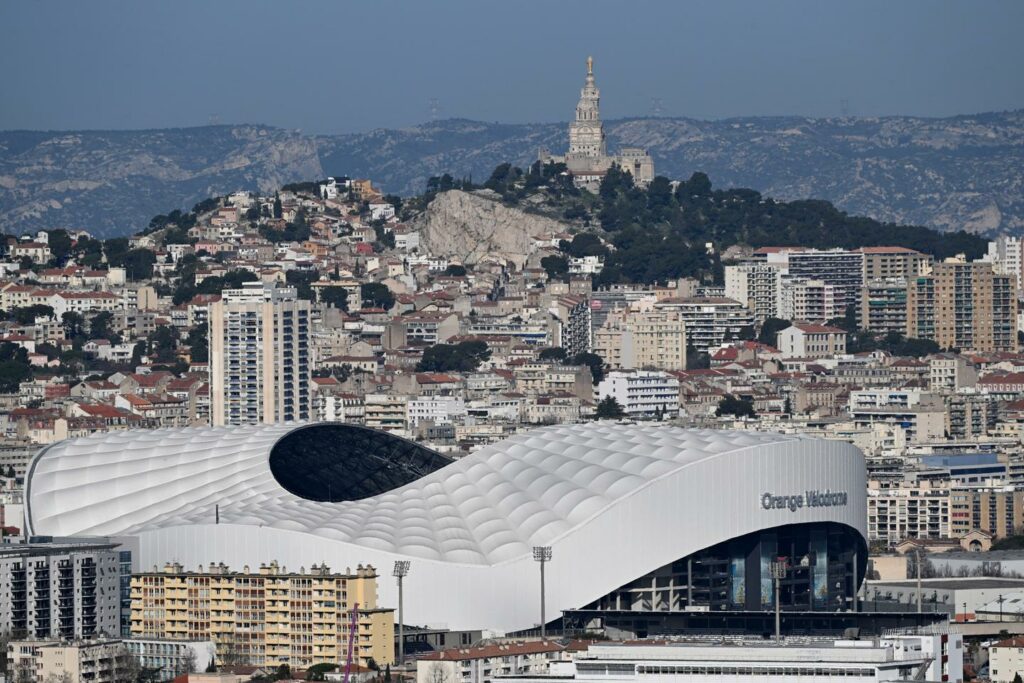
(931, 657)
(611, 501)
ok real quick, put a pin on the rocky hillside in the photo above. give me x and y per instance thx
(965, 171)
(471, 225)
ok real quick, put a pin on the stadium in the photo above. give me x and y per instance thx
(638, 518)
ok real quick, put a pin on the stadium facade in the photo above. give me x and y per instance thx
(639, 518)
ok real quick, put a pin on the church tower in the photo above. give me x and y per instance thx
(586, 133)
(588, 160)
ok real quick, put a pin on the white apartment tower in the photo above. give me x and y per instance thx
(1007, 258)
(755, 285)
(260, 368)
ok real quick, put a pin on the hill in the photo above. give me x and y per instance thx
(960, 172)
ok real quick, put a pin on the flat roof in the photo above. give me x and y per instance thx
(967, 582)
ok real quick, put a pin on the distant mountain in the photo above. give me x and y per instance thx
(959, 172)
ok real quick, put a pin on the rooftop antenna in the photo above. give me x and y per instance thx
(844, 107)
(657, 106)
(214, 119)
(435, 109)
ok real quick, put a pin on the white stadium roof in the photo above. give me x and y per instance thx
(614, 501)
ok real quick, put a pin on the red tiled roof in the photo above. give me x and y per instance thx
(490, 651)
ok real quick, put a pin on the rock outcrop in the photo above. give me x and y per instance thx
(471, 225)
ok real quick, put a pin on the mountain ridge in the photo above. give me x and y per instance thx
(964, 171)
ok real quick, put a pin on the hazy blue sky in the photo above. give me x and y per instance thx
(337, 66)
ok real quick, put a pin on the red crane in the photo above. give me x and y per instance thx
(353, 634)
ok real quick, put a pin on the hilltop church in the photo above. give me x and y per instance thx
(588, 159)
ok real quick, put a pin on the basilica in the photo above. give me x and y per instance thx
(588, 159)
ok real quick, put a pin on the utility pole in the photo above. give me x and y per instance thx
(778, 568)
(1000, 601)
(399, 572)
(542, 554)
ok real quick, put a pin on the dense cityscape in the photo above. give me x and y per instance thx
(580, 421)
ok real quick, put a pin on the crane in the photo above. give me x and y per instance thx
(353, 634)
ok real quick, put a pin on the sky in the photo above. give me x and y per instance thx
(337, 66)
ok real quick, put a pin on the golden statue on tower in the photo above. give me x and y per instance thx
(590, 66)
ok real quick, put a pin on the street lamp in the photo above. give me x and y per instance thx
(542, 554)
(399, 572)
(778, 568)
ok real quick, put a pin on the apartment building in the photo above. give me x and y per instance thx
(883, 305)
(483, 664)
(884, 263)
(570, 323)
(260, 368)
(78, 661)
(920, 416)
(806, 340)
(708, 321)
(1006, 254)
(908, 510)
(643, 339)
(998, 511)
(642, 393)
(268, 617)
(842, 269)
(810, 300)
(756, 285)
(61, 590)
(384, 411)
(172, 658)
(962, 305)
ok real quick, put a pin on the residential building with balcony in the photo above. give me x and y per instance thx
(260, 367)
(60, 589)
(966, 306)
(268, 617)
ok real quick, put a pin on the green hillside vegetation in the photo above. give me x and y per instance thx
(661, 232)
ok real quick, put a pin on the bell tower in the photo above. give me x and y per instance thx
(586, 132)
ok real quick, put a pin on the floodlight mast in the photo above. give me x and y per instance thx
(779, 568)
(542, 554)
(399, 572)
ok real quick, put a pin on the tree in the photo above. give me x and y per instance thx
(591, 360)
(317, 671)
(198, 343)
(438, 673)
(1017, 678)
(277, 207)
(455, 270)
(739, 407)
(74, 325)
(376, 295)
(60, 245)
(552, 353)
(138, 264)
(188, 662)
(462, 357)
(609, 409)
(770, 328)
(584, 244)
(556, 267)
(162, 343)
(335, 296)
(26, 315)
(99, 327)
(141, 349)
(283, 673)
